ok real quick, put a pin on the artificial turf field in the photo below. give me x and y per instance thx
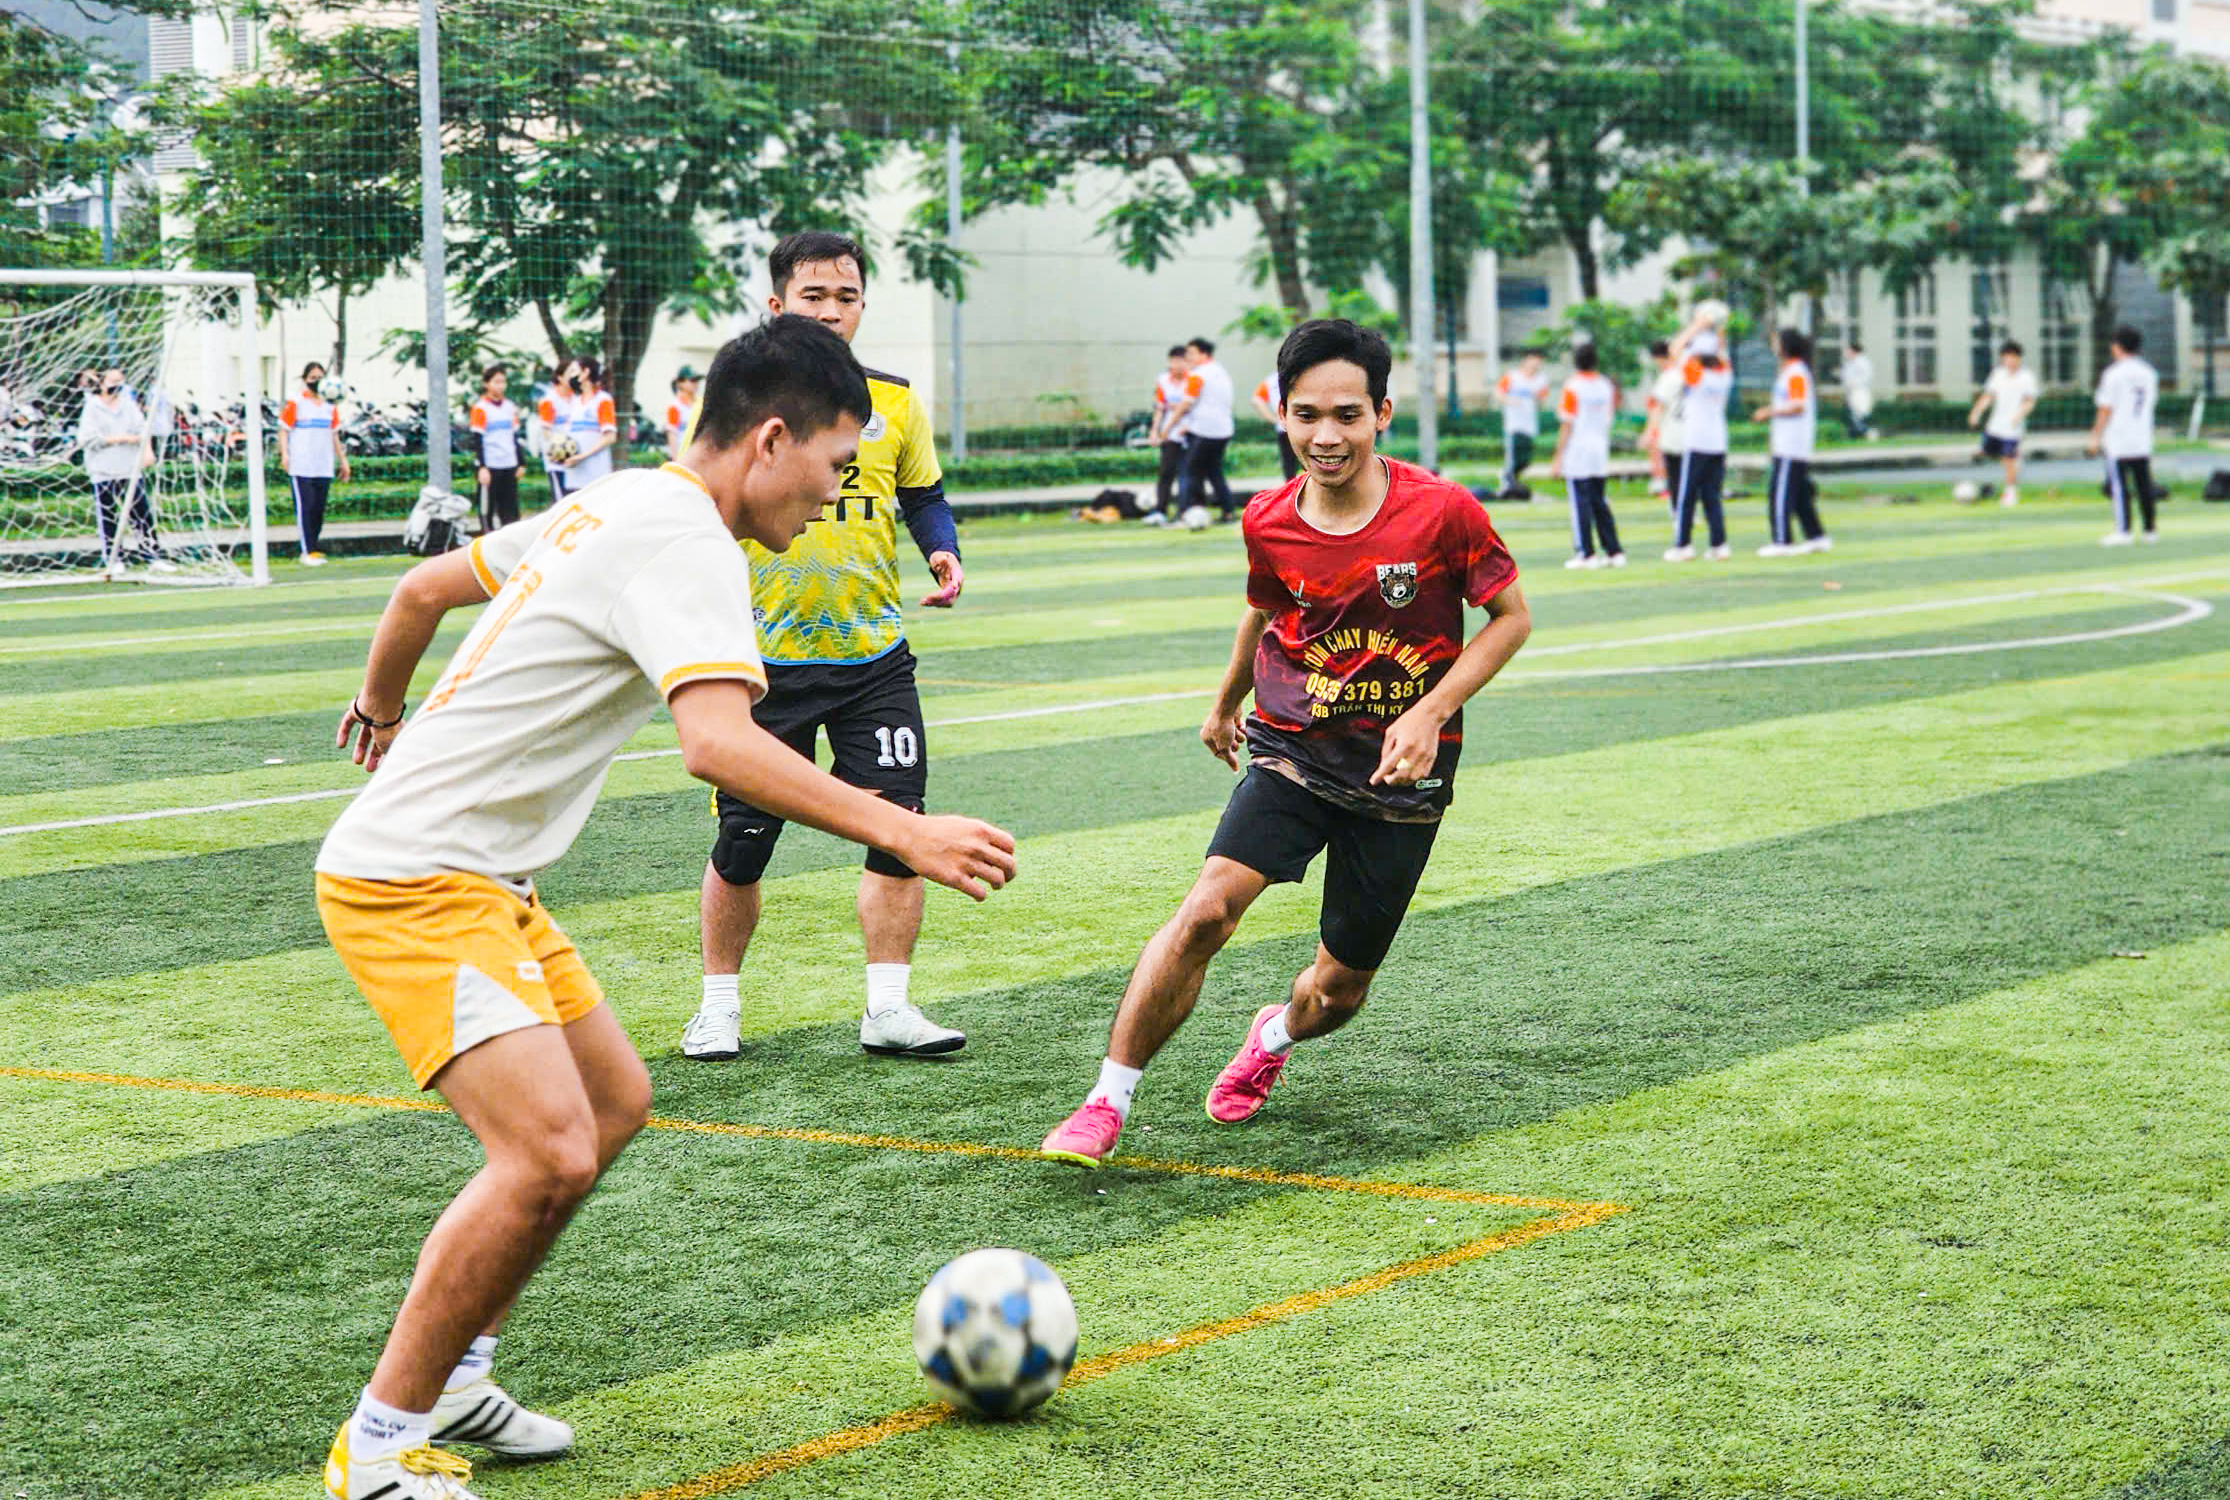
(1802, 1070)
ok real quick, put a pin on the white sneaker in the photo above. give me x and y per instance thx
(713, 1035)
(1615, 560)
(162, 565)
(2116, 539)
(313, 559)
(1776, 549)
(1720, 553)
(906, 1032)
(2010, 497)
(484, 1415)
(113, 572)
(1821, 543)
(1154, 518)
(2148, 537)
(1680, 554)
(1583, 560)
(413, 1474)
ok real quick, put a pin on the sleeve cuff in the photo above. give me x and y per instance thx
(481, 570)
(749, 673)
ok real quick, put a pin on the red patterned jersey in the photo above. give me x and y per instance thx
(1361, 627)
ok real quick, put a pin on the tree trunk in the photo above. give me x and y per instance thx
(629, 310)
(340, 330)
(1283, 236)
(2104, 312)
(550, 330)
(1591, 270)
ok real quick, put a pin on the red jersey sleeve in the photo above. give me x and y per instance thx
(1488, 567)
(1265, 590)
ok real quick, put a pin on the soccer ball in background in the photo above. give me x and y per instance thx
(1966, 492)
(561, 449)
(995, 1332)
(331, 389)
(1195, 518)
(1713, 312)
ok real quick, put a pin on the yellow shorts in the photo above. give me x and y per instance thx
(449, 961)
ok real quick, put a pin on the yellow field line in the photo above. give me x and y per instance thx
(915, 1418)
(1261, 1176)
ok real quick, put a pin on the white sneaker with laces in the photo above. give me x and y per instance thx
(713, 1035)
(413, 1474)
(485, 1415)
(2116, 539)
(904, 1031)
(1721, 553)
(1680, 554)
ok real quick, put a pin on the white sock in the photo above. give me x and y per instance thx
(381, 1431)
(720, 993)
(886, 987)
(1274, 1038)
(478, 1361)
(1117, 1084)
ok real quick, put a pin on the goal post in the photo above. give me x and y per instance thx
(80, 500)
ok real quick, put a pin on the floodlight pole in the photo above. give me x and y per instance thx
(431, 253)
(1420, 239)
(958, 445)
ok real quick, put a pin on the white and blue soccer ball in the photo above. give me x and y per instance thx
(1966, 492)
(331, 389)
(1195, 518)
(995, 1332)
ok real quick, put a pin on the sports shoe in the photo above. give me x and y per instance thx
(1154, 518)
(413, 1474)
(1680, 554)
(162, 565)
(313, 559)
(484, 1415)
(1720, 553)
(1777, 549)
(1583, 560)
(2011, 496)
(1244, 1085)
(1086, 1138)
(2116, 539)
(712, 1035)
(906, 1032)
(1615, 560)
(2148, 537)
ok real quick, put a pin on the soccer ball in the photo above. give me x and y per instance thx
(995, 1332)
(331, 389)
(1713, 312)
(1195, 518)
(561, 449)
(1966, 492)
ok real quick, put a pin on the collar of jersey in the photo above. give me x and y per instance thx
(687, 473)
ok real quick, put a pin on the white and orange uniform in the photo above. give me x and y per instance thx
(598, 612)
(1789, 442)
(584, 419)
(1587, 406)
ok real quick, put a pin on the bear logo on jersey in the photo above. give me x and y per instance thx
(1397, 583)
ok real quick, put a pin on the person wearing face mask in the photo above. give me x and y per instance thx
(311, 453)
(112, 432)
(580, 411)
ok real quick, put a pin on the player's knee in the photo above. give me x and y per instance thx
(1208, 918)
(740, 858)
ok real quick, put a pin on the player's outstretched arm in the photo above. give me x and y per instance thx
(1221, 733)
(722, 744)
(406, 627)
(1413, 740)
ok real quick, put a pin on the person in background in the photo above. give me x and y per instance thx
(1858, 391)
(579, 411)
(2128, 398)
(1661, 434)
(1266, 398)
(1794, 417)
(495, 422)
(680, 409)
(1169, 390)
(1706, 383)
(310, 451)
(1583, 461)
(1204, 420)
(2010, 393)
(1520, 393)
(112, 430)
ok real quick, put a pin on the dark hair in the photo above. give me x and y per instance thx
(2127, 337)
(1176, 351)
(590, 369)
(1584, 356)
(1857, 347)
(492, 372)
(2010, 346)
(1323, 340)
(1205, 346)
(1533, 352)
(1794, 345)
(810, 245)
(315, 364)
(788, 367)
(1660, 349)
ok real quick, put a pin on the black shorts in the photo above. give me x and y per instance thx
(1998, 447)
(1275, 826)
(872, 712)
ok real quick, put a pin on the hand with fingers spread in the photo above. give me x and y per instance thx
(949, 574)
(371, 736)
(972, 857)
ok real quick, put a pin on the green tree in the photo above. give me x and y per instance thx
(55, 97)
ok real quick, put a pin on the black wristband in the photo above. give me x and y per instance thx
(369, 722)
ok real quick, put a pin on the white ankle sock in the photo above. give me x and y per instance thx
(1117, 1084)
(478, 1361)
(720, 992)
(381, 1431)
(1274, 1038)
(886, 987)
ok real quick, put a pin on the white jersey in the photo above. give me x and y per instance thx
(1794, 435)
(582, 418)
(1168, 391)
(1521, 395)
(1210, 416)
(2129, 391)
(97, 429)
(1704, 408)
(1669, 394)
(312, 426)
(599, 611)
(1588, 404)
(1858, 375)
(2009, 391)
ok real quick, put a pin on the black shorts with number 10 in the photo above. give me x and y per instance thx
(872, 712)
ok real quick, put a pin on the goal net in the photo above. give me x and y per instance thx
(132, 428)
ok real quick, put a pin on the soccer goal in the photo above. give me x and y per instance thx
(132, 428)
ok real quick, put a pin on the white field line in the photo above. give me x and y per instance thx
(244, 634)
(2192, 611)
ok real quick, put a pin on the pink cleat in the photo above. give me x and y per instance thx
(1243, 1087)
(1086, 1138)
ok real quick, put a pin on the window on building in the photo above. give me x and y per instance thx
(1993, 319)
(1839, 323)
(2164, 11)
(2061, 333)
(1916, 332)
(243, 43)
